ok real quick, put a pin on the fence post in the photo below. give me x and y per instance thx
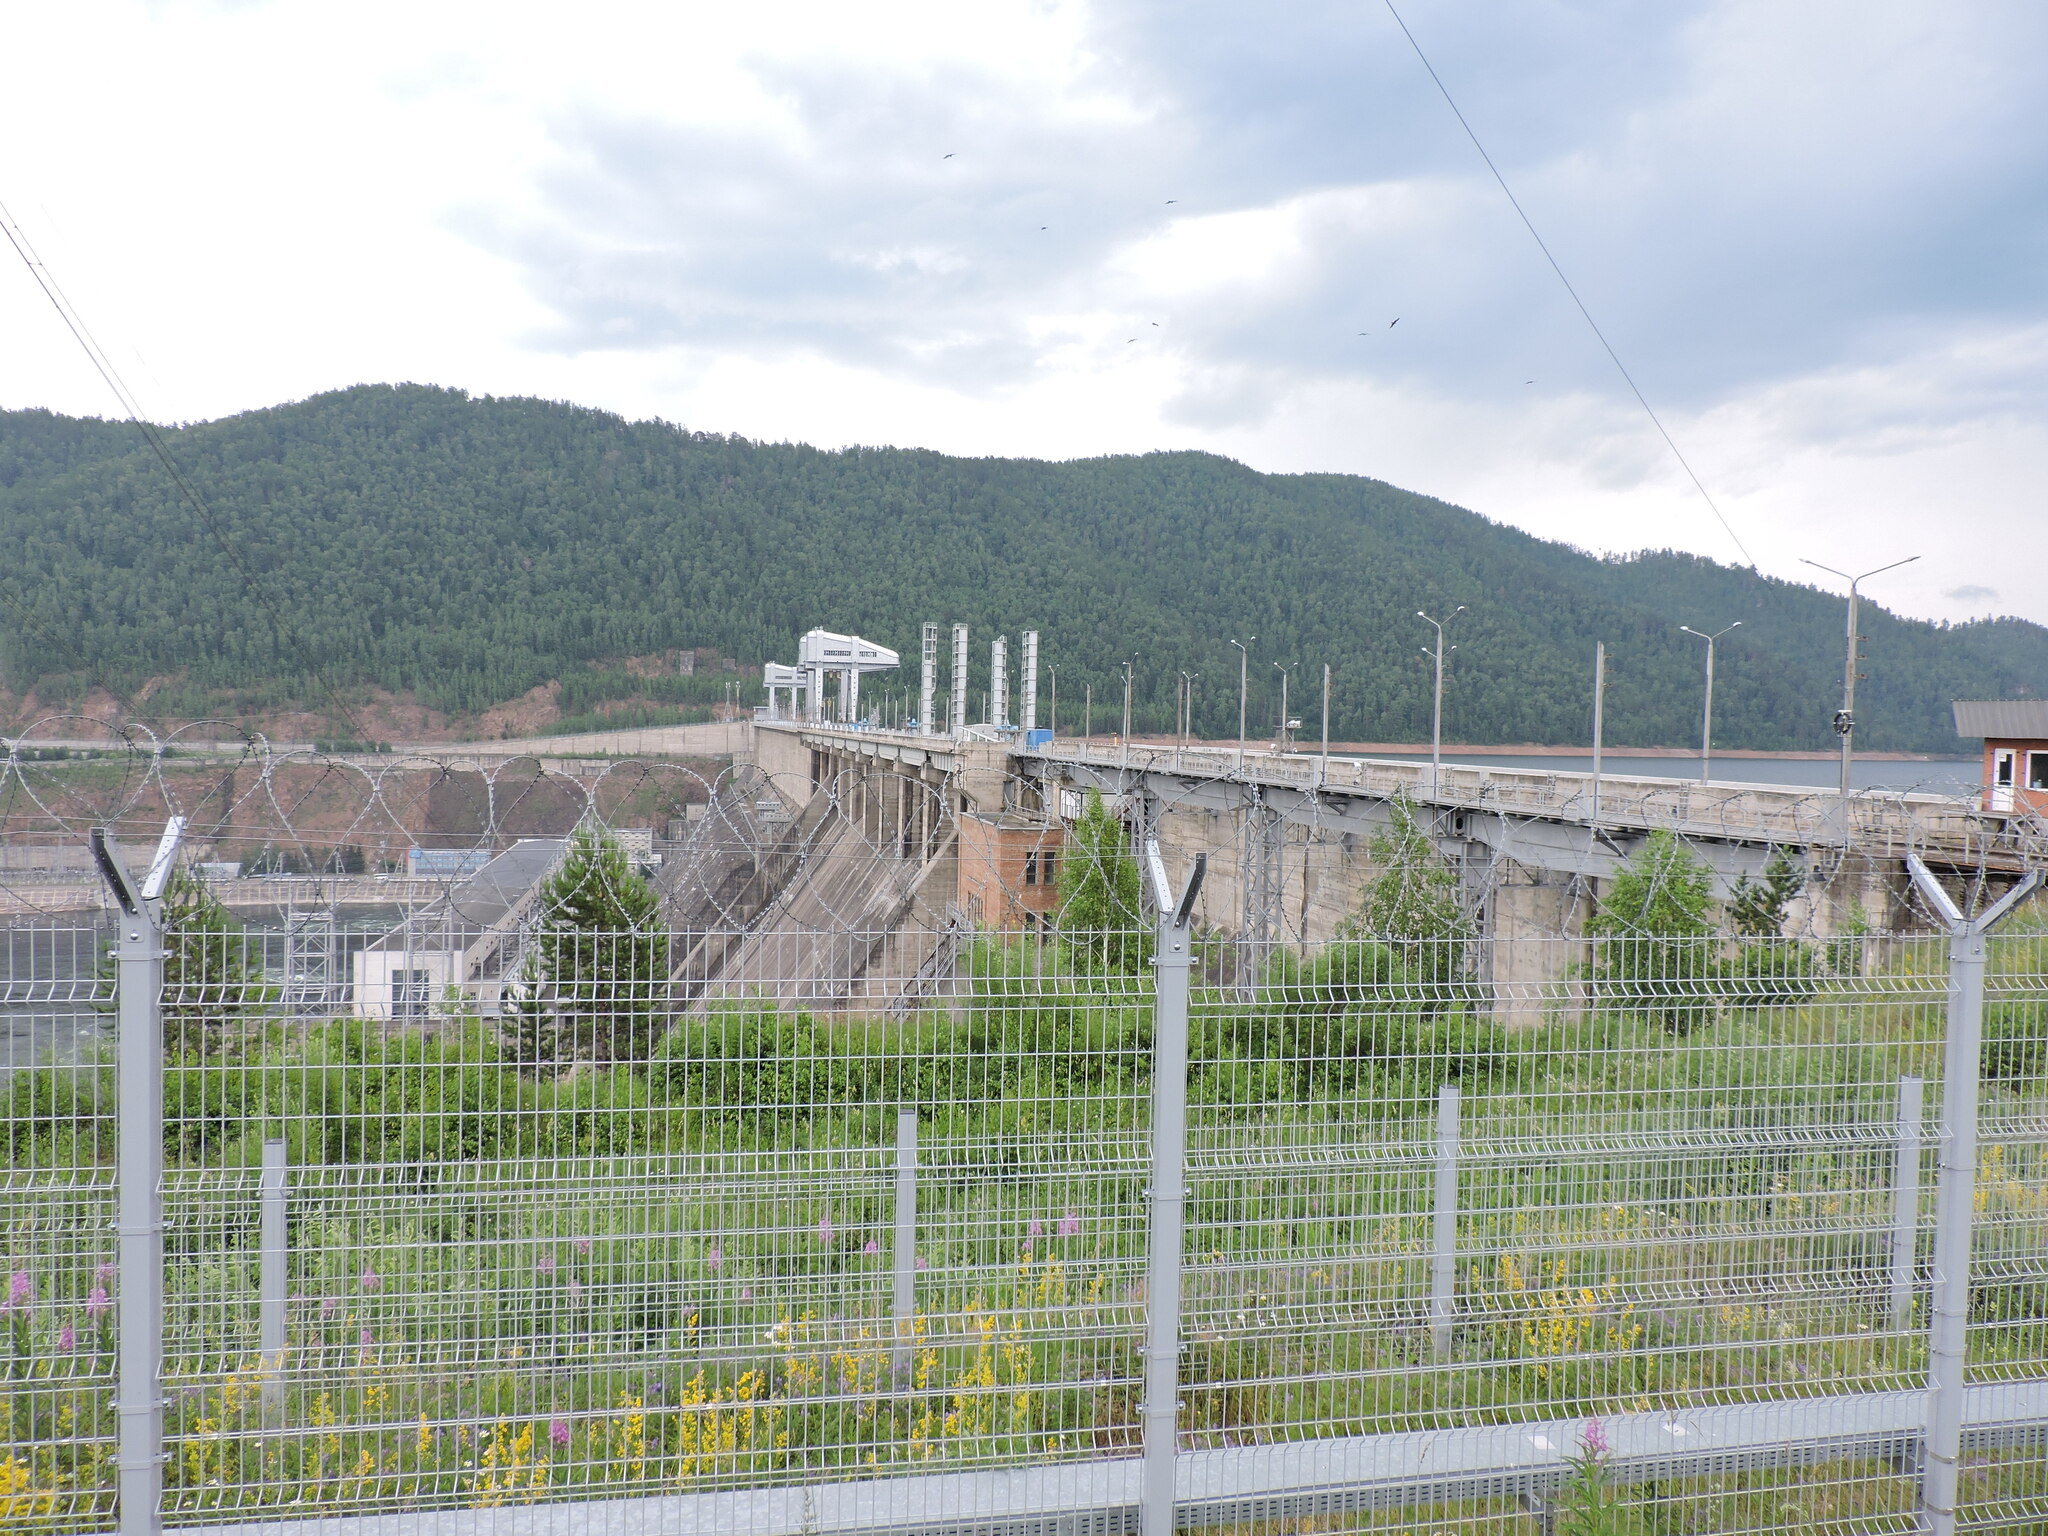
(1906, 1200)
(1955, 1195)
(271, 1281)
(903, 1256)
(1443, 1274)
(1167, 1214)
(138, 1176)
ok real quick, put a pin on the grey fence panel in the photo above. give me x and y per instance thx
(612, 1243)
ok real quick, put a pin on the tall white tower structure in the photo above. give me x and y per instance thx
(959, 710)
(999, 681)
(1027, 682)
(927, 679)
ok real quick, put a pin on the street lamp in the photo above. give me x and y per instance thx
(1055, 671)
(1707, 716)
(1436, 713)
(1280, 735)
(1187, 719)
(1126, 738)
(1323, 776)
(1244, 657)
(1845, 717)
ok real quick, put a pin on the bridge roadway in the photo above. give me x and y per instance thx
(1594, 814)
(1288, 835)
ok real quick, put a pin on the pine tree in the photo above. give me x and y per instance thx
(1413, 901)
(214, 992)
(1102, 910)
(1656, 928)
(1757, 909)
(595, 974)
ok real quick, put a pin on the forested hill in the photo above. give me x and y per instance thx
(464, 551)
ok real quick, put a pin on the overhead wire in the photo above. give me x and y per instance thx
(46, 280)
(1585, 313)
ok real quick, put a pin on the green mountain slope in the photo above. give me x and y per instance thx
(466, 550)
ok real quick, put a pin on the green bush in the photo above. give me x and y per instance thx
(1767, 973)
(2016, 1040)
(59, 1116)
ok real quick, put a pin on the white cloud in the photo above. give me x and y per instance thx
(1814, 232)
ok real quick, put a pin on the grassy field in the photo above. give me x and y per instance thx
(512, 1285)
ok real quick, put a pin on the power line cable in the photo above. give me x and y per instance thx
(1593, 324)
(110, 375)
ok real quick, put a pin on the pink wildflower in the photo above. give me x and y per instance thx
(67, 1339)
(575, 1290)
(547, 1264)
(98, 1305)
(746, 1293)
(329, 1307)
(714, 1258)
(365, 1340)
(583, 1246)
(1594, 1440)
(921, 1263)
(21, 1290)
(1070, 1224)
(1036, 1229)
(825, 1228)
(104, 1275)
(558, 1432)
(370, 1279)
(872, 1247)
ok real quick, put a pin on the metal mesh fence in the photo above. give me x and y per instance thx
(603, 1230)
(790, 1167)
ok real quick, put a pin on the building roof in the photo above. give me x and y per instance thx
(2002, 717)
(481, 904)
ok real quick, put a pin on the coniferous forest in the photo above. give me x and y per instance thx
(461, 551)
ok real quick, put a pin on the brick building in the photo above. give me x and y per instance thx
(2015, 736)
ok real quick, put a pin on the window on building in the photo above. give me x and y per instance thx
(2037, 770)
(2001, 769)
(1047, 873)
(411, 992)
(1031, 866)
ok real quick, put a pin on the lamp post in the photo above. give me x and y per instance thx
(1125, 739)
(1436, 713)
(1055, 672)
(1323, 777)
(1187, 721)
(1707, 714)
(1845, 717)
(1244, 657)
(1280, 735)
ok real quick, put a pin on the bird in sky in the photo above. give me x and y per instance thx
(949, 155)
(1155, 322)
(1393, 322)
(1528, 381)
(1171, 201)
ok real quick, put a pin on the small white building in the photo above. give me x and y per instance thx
(465, 940)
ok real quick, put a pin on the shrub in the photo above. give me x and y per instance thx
(1767, 974)
(1656, 953)
(2015, 1040)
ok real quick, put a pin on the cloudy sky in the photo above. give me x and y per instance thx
(1816, 233)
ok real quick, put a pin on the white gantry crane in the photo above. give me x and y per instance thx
(818, 653)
